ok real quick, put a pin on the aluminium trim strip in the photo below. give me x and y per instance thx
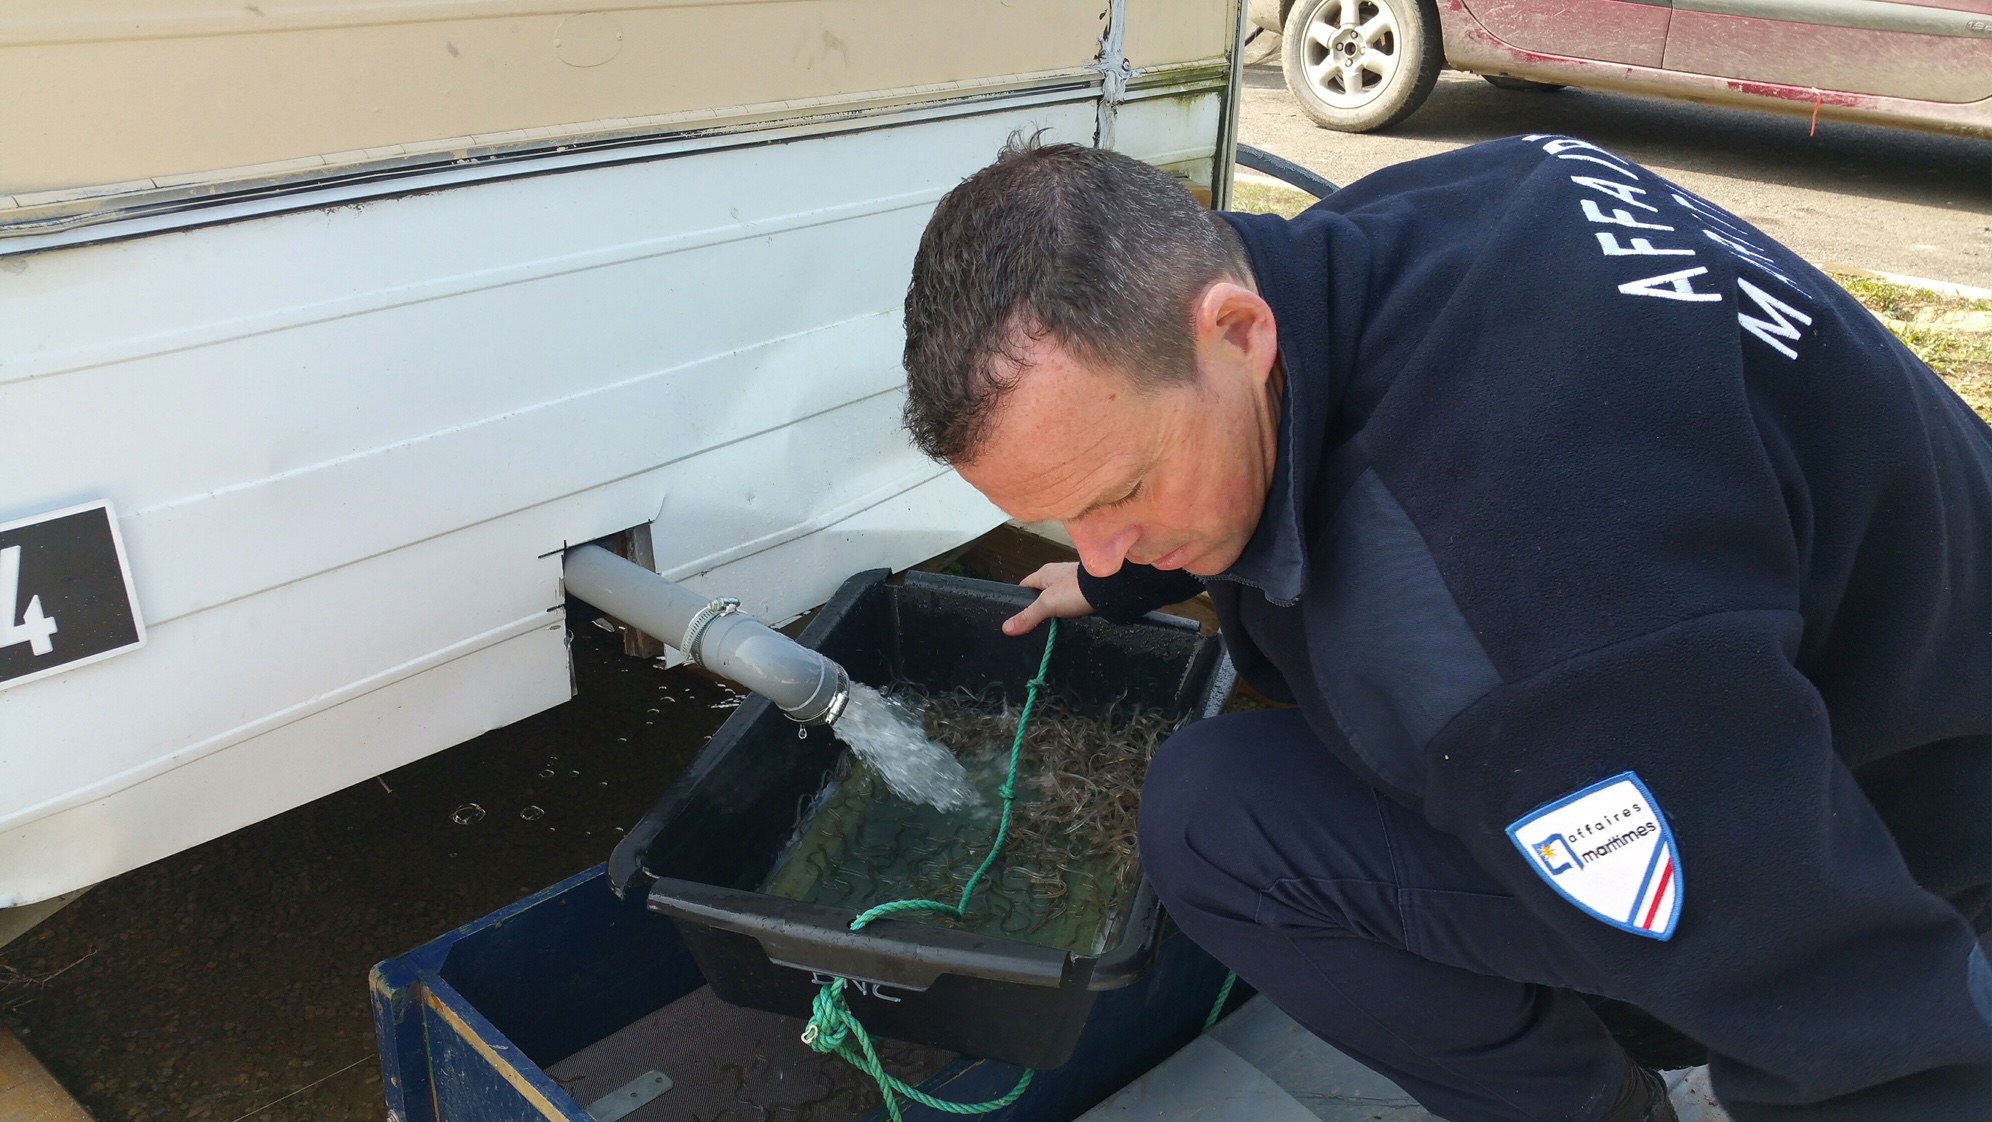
(27, 222)
(1860, 15)
(1213, 71)
(148, 213)
(58, 204)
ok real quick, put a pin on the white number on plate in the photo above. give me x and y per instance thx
(34, 628)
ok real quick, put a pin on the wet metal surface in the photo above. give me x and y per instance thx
(623, 1100)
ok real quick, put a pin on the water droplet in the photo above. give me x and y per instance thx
(531, 813)
(467, 814)
(546, 773)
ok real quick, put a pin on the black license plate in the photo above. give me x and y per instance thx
(66, 595)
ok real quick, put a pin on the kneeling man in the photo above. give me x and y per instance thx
(1628, 580)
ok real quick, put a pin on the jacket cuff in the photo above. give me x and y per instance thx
(1136, 590)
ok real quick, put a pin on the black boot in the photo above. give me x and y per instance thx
(1642, 1097)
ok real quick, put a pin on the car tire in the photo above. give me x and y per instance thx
(1520, 85)
(1358, 65)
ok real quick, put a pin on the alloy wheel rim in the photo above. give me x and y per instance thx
(1351, 51)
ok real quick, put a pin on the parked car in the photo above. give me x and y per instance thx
(1357, 65)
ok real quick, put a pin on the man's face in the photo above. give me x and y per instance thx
(1173, 477)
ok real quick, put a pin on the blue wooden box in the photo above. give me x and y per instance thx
(469, 1022)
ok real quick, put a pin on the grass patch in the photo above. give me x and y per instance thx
(1950, 333)
(1901, 301)
(1269, 198)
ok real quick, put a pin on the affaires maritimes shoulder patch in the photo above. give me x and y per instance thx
(1608, 850)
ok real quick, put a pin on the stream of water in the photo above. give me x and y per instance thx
(889, 737)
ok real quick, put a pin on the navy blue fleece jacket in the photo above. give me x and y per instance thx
(1580, 474)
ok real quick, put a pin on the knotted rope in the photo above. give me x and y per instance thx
(832, 1025)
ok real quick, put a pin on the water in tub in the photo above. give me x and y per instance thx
(1067, 870)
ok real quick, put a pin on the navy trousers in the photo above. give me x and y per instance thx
(1384, 936)
(1367, 925)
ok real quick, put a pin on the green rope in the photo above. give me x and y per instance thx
(1223, 995)
(832, 1025)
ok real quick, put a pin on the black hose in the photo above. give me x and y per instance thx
(1285, 170)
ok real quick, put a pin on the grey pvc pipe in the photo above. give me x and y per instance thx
(807, 686)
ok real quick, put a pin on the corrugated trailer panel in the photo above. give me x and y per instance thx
(347, 414)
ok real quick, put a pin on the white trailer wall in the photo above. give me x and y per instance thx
(348, 423)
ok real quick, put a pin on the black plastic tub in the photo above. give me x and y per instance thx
(703, 849)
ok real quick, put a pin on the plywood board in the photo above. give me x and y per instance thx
(28, 1093)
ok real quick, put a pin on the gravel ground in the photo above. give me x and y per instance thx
(1853, 195)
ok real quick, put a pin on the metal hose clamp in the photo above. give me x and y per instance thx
(701, 619)
(838, 700)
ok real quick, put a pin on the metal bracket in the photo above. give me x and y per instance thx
(701, 619)
(629, 1096)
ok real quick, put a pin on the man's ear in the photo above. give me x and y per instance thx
(1237, 322)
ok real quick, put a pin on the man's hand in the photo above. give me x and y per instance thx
(1058, 595)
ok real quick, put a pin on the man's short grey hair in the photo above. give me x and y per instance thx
(1095, 250)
